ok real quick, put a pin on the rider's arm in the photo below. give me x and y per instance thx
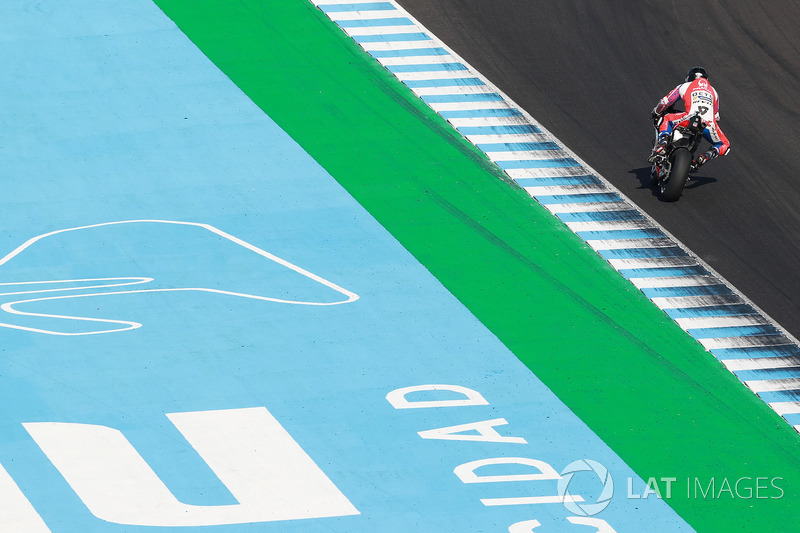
(673, 96)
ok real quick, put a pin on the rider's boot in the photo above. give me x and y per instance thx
(655, 175)
(659, 149)
(702, 159)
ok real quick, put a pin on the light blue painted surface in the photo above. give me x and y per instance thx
(111, 114)
(378, 22)
(372, 6)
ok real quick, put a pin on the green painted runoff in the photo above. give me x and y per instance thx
(651, 392)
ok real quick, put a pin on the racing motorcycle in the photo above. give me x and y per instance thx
(670, 170)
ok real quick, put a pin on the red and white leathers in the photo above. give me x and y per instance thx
(699, 98)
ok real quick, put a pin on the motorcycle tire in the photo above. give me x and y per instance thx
(671, 189)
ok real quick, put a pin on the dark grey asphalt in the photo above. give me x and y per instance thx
(590, 71)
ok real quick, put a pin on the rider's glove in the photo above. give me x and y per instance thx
(657, 118)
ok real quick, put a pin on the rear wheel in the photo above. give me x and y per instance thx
(672, 188)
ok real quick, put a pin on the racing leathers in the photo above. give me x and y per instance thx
(699, 98)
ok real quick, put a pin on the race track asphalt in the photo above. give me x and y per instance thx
(591, 72)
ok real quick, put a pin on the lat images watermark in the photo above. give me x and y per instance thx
(585, 475)
(602, 501)
(710, 488)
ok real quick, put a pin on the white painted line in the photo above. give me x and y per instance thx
(464, 89)
(475, 122)
(17, 512)
(530, 155)
(634, 243)
(522, 173)
(721, 321)
(654, 262)
(767, 385)
(432, 75)
(586, 207)
(786, 408)
(377, 30)
(761, 363)
(676, 281)
(414, 58)
(112, 326)
(509, 138)
(530, 500)
(613, 225)
(468, 106)
(687, 302)
(744, 342)
(567, 190)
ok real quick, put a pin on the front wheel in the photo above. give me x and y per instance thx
(672, 187)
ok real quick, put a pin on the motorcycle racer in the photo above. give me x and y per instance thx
(699, 98)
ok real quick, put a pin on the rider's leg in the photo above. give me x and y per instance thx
(662, 138)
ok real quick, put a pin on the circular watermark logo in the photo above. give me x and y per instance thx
(582, 508)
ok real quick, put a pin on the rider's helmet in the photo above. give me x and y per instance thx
(696, 72)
